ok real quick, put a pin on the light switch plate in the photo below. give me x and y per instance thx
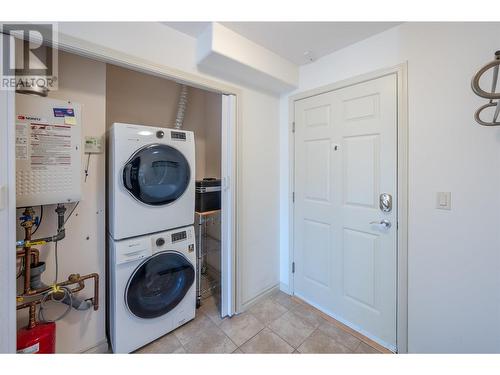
(443, 200)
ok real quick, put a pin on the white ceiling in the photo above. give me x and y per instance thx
(291, 40)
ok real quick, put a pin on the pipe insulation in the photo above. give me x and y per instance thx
(181, 107)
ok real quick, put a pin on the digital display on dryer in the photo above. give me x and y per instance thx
(178, 135)
(179, 236)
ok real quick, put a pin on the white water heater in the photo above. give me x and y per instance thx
(48, 151)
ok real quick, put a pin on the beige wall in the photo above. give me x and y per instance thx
(213, 111)
(138, 98)
(83, 250)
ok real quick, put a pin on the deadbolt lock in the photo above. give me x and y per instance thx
(385, 202)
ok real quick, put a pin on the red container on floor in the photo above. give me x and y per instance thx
(40, 339)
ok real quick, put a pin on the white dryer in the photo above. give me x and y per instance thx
(152, 179)
(152, 287)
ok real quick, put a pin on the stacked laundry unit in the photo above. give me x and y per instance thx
(152, 257)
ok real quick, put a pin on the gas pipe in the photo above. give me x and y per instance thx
(36, 337)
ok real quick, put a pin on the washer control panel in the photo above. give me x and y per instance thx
(175, 239)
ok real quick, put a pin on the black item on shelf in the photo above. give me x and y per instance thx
(208, 193)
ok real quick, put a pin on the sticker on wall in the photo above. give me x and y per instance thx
(50, 146)
(64, 112)
(29, 119)
(21, 141)
(69, 120)
(30, 349)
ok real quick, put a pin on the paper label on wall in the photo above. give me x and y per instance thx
(30, 349)
(50, 145)
(70, 120)
(21, 141)
(64, 112)
(28, 118)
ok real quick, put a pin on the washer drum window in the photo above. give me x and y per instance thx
(159, 284)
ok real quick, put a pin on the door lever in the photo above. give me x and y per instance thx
(385, 223)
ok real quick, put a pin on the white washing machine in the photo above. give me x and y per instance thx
(152, 287)
(152, 179)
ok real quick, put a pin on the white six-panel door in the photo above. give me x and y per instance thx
(345, 159)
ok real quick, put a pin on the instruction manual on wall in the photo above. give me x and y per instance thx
(48, 151)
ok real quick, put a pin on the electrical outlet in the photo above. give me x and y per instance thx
(93, 145)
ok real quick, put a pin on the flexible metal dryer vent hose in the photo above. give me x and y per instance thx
(181, 107)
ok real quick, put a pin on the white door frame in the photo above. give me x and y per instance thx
(228, 198)
(107, 55)
(7, 224)
(402, 174)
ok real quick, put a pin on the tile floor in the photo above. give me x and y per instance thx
(278, 324)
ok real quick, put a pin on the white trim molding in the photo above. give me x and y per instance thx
(7, 224)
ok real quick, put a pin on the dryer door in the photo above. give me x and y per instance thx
(159, 284)
(157, 174)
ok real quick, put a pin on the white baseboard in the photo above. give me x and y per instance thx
(245, 306)
(285, 288)
(100, 348)
(360, 330)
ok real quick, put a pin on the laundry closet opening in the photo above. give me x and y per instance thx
(141, 99)
(169, 168)
(177, 200)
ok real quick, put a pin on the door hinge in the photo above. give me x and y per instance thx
(293, 127)
(293, 197)
(3, 195)
(293, 267)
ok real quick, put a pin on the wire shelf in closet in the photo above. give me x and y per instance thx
(208, 246)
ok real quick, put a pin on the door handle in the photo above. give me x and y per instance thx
(386, 224)
(127, 181)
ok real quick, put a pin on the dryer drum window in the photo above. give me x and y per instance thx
(157, 174)
(159, 285)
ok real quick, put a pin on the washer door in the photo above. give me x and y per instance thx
(157, 174)
(159, 284)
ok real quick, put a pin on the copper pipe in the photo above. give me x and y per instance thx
(27, 304)
(27, 270)
(35, 255)
(76, 278)
(28, 226)
(32, 312)
(72, 279)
